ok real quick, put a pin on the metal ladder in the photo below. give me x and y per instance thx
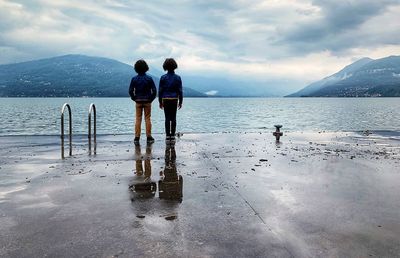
(66, 105)
(92, 109)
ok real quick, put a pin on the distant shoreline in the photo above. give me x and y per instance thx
(211, 97)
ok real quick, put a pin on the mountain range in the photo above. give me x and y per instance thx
(364, 78)
(86, 76)
(70, 76)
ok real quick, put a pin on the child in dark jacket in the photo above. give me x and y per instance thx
(170, 96)
(143, 91)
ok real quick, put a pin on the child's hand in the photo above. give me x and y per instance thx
(179, 105)
(161, 106)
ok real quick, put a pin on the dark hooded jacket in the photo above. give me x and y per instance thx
(170, 87)
(142, 89)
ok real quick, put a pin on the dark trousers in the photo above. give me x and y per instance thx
(170, 107)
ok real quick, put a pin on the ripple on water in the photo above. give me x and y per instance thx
(41, 116)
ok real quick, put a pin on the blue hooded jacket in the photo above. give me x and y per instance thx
(170, 87)
(142, 89)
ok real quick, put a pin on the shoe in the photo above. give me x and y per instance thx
(136, 140)
(168, 138)
(150, 139)
(172, 138)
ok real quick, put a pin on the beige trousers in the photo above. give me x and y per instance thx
(140, 109)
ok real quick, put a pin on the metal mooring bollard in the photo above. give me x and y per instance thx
(278, 132)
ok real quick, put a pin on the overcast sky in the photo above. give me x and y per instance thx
(274, 39)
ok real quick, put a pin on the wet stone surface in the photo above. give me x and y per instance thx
(210, 195)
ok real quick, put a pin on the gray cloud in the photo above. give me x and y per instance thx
(269, 37)
(338, 29)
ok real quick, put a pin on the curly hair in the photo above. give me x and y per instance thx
(141, 66)
(170, 64)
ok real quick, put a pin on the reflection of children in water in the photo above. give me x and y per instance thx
(146, 159)
(144, 188)
(170, 184)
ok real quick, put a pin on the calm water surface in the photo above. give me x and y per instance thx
(41, 116)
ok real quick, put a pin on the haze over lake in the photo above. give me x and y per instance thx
(41, 116)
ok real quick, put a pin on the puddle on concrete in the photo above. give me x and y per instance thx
(167, 185)
(9, 190)
(239, 189)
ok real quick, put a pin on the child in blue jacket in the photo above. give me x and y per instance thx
(143, 91)
(170, 96)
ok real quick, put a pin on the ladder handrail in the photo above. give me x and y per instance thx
(66, 105)
(92, 109)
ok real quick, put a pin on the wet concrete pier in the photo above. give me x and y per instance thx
(210, 195)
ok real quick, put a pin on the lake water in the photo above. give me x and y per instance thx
(41, 116)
